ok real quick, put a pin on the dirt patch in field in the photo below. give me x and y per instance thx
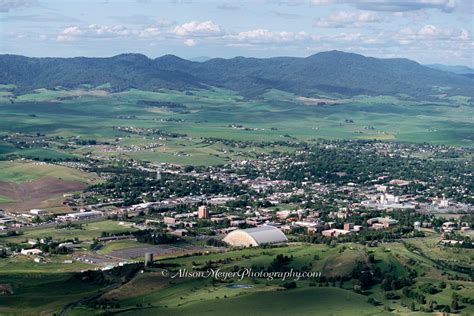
(157, 250)
(39, 193)
(318, 101)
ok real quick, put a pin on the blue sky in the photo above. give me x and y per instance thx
(428, 31)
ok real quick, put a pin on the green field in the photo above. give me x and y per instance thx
(305, 301)
(150, 293)
(91, 114)
(117, 245)
(88, 232)
(22, 171)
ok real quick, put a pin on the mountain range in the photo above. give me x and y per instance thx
(457, 69)
(332, 72)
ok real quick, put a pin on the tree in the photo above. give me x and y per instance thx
(454, 305)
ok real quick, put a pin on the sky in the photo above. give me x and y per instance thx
(428, 31)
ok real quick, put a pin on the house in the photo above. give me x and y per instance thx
(348, 226)
(169, 220)
(179, 232)
(449, 226)
(32, 242)
(67, 245)
(29, 252)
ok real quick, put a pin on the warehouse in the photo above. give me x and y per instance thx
(253, 237)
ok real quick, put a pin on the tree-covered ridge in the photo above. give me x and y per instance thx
(333, 72)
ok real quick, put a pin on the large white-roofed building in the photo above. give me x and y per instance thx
(257, 236)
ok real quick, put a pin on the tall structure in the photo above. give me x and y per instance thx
(444, 202)
(158, 175)
(148, 259)
(203, 211)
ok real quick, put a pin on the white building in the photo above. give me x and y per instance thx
(257, 236)
(29, 252)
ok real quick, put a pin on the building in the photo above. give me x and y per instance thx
(348, 226)
(257, 236)
(32, 242)
(28, 252)
(449, 226)
(148, 259)
(179, 232)
(334, 232)
(67, 245)
(169, 220)
(81, 215)
(382, 222)
(37, 211)
(417, 225)
(203, 211)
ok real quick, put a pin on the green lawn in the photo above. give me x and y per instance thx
(118, 245)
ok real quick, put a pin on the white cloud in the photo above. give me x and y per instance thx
(72, 33)
(149, 32)
(266, 36)
(190, 42)
(343, 19)
(404, 5)
(321, 2)
(430, 32)
(194, 28)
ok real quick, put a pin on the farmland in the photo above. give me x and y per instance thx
(211, 113)
(26, 184)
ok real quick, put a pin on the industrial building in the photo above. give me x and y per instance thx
(253, 237)
(80, 215)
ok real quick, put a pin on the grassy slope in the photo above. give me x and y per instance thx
(21, 171)
(185, 296)
(305, 301)
(203, 297)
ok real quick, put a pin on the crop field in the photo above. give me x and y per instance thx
(25, 185)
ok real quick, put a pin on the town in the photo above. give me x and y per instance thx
(210, 203)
